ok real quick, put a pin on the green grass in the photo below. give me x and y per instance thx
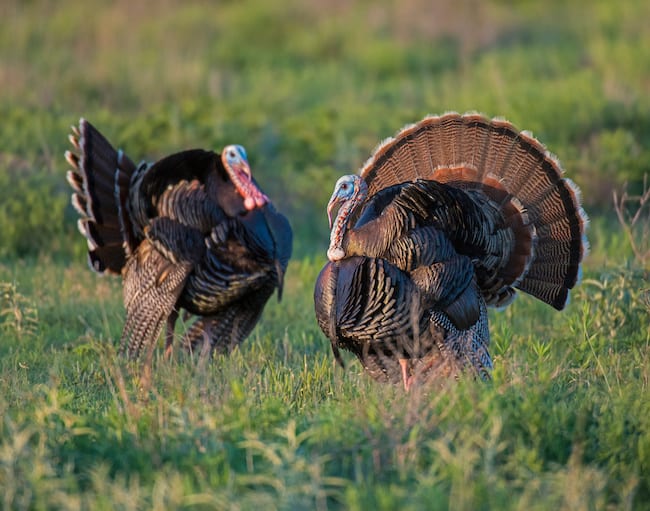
(310, 88)
(563, 425)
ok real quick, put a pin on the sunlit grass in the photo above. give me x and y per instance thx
(563, 422)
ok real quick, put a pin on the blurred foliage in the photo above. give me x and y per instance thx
(310, 88)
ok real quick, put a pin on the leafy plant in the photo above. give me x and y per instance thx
(18, 315)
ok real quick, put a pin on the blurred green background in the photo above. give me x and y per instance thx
(310, 88)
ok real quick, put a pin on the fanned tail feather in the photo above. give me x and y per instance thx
(100, 178)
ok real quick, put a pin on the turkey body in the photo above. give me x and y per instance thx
(190, 232)
(452, 215)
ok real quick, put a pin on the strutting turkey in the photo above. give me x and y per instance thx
(191, 231)
(448, 217)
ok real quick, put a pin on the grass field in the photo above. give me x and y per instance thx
(310, 88)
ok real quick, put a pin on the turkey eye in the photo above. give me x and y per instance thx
(344, 186)
(231, 154)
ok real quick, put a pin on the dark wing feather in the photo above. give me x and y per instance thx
(152, 285)
(225, 330)
(361, 301)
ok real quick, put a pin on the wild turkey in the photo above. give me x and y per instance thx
(449, 217)
(192, 231)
